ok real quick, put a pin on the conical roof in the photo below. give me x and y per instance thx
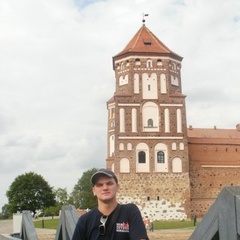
(145, 42)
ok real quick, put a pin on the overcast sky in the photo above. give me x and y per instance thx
(56, 76)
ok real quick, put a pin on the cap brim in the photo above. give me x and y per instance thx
(102, 173)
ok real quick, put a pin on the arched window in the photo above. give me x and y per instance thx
(167, 120)
(150, 122)
(124, 165)
(163, 83)
(141, 157)
(134, 120)
(181, 146)
(179, 120)
(174, 146)
(177, 165)
(150, 117)
(160, 157)
(121, 146)
(129, 146)
(122, 119)
(136, 83)
(111, 145)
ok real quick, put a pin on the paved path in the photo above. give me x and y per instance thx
(171, 234)
(6, 227)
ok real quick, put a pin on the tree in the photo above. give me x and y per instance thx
(30, 192)
(5, 212)
(82, 193)
(61, 196)
(52, 211)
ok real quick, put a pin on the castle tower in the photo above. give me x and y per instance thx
(147, 131)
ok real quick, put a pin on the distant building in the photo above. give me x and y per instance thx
(168, 170)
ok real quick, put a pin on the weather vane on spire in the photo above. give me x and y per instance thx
(144, 15)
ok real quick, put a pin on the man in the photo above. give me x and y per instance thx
(109, 220)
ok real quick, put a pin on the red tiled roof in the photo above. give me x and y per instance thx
(144, 41)
(213, 136)
(178, 94)
(111, 100)
(213, 133)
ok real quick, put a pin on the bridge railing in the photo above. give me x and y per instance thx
(67, 222)
(222, 221)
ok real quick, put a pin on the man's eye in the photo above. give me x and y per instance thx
(99, 185)
(110, 183)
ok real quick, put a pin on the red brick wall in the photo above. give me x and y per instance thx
(212, 167)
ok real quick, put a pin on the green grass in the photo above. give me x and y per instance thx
(46, 223)
(173, 224)
(53, 223)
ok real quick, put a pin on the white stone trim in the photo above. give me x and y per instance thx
(220, 166)
(129, 104)
(170, 105)
(151, 138)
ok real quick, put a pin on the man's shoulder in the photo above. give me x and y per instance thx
(92, 212)
(129, 206)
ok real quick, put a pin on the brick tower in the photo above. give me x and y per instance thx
(147, 131)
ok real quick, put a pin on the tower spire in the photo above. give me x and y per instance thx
(144, 15)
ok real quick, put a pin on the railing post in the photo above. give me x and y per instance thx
(67, 223)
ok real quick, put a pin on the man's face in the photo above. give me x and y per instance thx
(105, 189)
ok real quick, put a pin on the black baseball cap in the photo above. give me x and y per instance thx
(102, 172)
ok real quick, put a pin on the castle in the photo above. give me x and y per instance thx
(169, 170)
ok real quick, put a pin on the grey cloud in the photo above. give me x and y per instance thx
(56, 76)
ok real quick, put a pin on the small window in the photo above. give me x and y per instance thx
(137, 61)
(113, 112)
(150, 122)
(159, 62)
(147, 42)
(129, 146)
(121, 146)
(160, 157)
(149, 87)
(141, 157)
(149, 63)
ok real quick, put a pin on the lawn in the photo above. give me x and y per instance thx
(53, 223)
(46, 223)
(173, 224)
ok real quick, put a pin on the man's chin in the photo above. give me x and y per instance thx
(107, 199)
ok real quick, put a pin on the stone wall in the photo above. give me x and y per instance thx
(158, 196)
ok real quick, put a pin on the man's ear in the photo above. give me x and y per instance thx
(94, 194)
